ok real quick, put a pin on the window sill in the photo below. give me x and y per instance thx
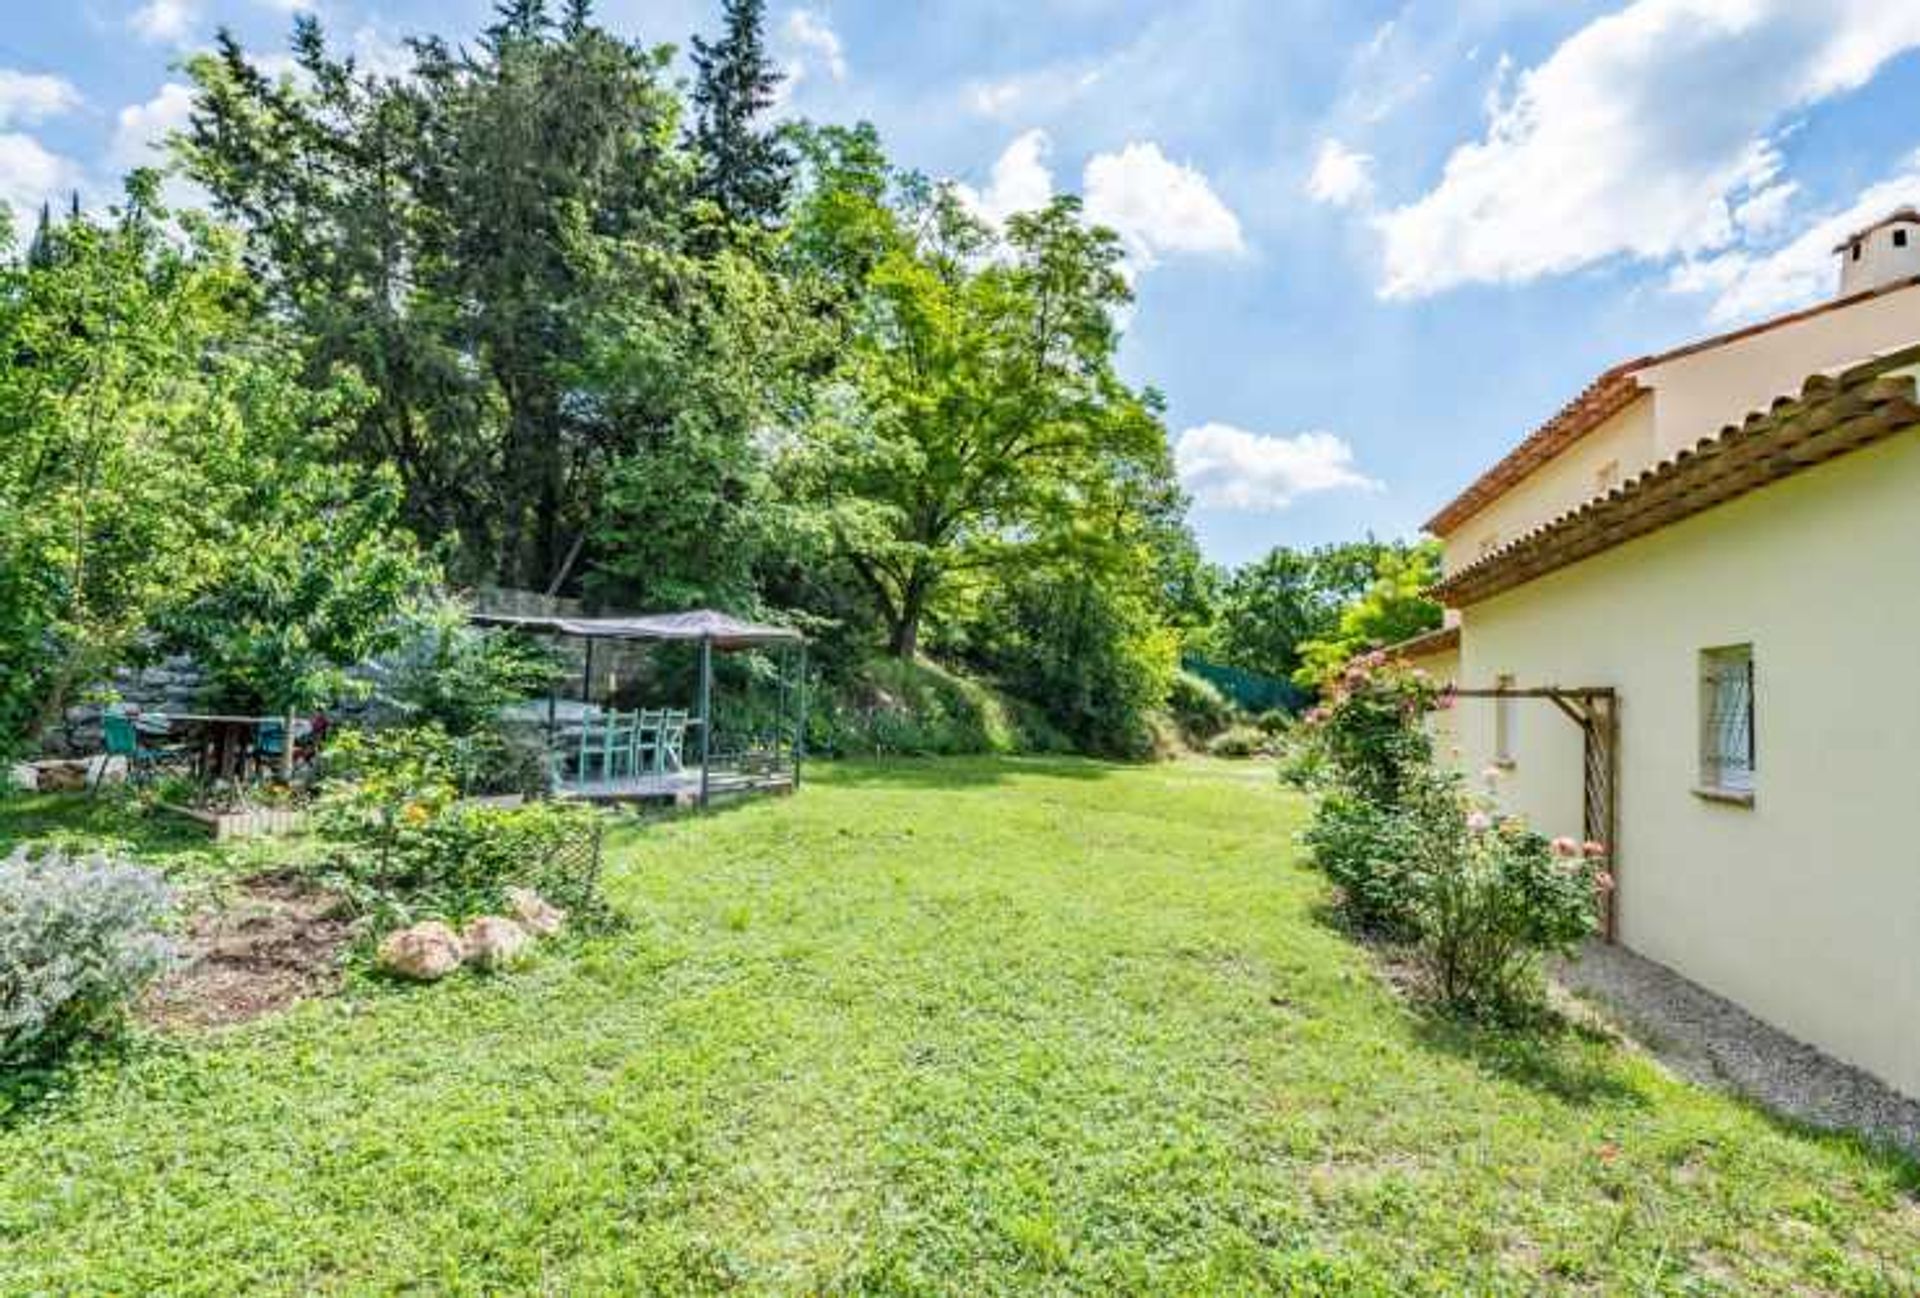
(1726, 797)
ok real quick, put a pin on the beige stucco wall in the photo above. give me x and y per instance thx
(1695, 396)
(1804, 908)
(1442, 725)
(1563, 483)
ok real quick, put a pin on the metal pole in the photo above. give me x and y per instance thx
(706, 715)
(800, 730)
(586, 676)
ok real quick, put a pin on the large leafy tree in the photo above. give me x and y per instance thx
(141, 401)
(1271, 607)
(1394, 607)
(744, 168)
(980, 421)
(449, 234)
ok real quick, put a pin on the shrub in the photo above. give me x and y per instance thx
(79, 938)
(1481, 899)
(1495, 904)
(1238, 742)
(1274, 722)
(1370, 854)
(408, 846)
(1369, 730)
(1198, 707)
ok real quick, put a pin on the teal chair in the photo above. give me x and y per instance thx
(123, 739)
(619, 744)
(673, 740)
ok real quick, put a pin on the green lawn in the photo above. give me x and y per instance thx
(941, 1027)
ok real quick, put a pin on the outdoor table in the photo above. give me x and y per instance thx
(227, 741)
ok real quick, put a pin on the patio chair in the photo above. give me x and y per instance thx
(123, 739)
(647, 736)
(620, 743)
(673, 739)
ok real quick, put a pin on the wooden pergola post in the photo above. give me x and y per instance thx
(706, 717)
(1596, 711)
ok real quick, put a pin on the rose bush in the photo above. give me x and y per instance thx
(1478, 897)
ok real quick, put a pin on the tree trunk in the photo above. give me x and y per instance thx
(904, 638)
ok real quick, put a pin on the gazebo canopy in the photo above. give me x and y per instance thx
(718, 629)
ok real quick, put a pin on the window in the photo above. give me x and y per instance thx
(1899, 238)
(1856, 252)
(1727, 753)
(1504, 717)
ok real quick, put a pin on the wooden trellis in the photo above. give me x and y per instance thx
(1596, 710)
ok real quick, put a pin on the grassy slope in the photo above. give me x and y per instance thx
(963, 1027)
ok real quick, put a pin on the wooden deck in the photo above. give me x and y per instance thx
(680, 787)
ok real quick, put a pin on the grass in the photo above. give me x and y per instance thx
(974, 1026)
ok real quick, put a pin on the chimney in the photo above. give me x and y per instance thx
(1884, 253)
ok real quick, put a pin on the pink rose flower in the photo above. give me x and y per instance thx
(1565, 847)
(1479, 821)
(1603, 881)
(1593, 850)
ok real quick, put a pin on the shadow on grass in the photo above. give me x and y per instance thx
(1570, 1062)
(85, 819)
(954, 772)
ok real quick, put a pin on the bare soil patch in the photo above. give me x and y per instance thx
(279, 941)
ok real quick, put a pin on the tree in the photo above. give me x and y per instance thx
(141, 396)
(744, 171)
(1394, 608)
(1271, 607)
(979, 420)
(447, 236)
(314, 578)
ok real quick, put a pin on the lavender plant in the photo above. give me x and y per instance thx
(79, 938)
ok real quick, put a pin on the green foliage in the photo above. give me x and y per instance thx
(893, 707)
(1394, 608)
(1370, 730)
(458, 677)
(1091, 652)
(321, 583)
(1498, 898)
(408, 846)
(1479, 896)
(79, 938)
(1238, 742)
(744, 169)
(1199, 709)
(1269, 609)
(146, 413)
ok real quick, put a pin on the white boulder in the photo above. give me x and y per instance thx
(424, 952)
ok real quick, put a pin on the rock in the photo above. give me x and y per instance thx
(62, 777)
(23, 777)
(495, 943)
(533, 912)
(425, 952)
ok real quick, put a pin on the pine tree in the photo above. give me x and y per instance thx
(745, 171)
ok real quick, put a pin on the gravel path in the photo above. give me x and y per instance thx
(1715, 1042)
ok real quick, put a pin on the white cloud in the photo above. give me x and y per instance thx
(165, 20)
(31, 175)
(1021, 181)
(1641, 135)
(1224, 467)
(1157, 206)
(1047, 90)
(808, 42)
(1341, 177)
(1748, 284)
(140, 130)
(34, 97)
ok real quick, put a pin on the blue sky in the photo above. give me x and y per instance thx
(1374, 243)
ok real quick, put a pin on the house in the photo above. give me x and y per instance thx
(1715, 553)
